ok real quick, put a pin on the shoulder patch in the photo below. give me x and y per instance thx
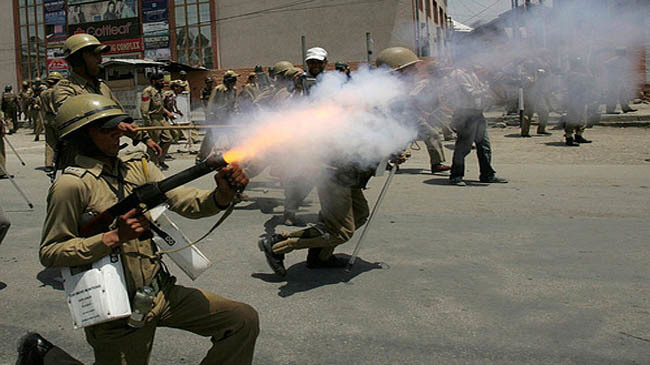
(73, 170)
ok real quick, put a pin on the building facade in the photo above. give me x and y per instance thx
(219, 34)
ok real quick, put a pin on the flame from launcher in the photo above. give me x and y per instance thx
(275, 130)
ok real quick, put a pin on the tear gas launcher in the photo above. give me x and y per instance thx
(150, 195)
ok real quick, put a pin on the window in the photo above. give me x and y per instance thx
(32, 39)
(193, 31)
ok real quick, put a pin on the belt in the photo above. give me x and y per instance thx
(159, 281)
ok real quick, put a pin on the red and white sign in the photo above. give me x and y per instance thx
(125, 45)
(56, 64)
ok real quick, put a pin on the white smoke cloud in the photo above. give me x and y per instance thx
(342, 121)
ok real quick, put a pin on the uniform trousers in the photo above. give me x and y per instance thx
(343, 211)
(232, 327)
(50, 143)
(38, 121)
(530, 109)
(471, 128)
(433, 140)
(164, 138)
(575, 119)
(11, 120)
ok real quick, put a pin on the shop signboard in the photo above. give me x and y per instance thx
(155, 29)
(111, 30)
(154, 11)
(156, 42)
(161, 54)
(54, 5)
(107, 10)
(55, 17)
(124, 45)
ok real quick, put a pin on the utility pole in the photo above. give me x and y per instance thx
(303, 44)
(417, 27)
(369, 48)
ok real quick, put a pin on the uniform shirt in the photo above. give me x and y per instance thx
(77, 85)
(184, 84)
(92, 187)
(223, 101)
(9, 102)
(26, 98)
(47, 105)
(151, 107)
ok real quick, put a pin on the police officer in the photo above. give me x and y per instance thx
(47, 104)
(35, 108)
(250, 92)
(206, 91)
(343, 68)
(83, 53)
(221, 105)
(185, 85)
(95, 183)
(425, 99)
(579, 85)
(10, 107)
(25, 99)
(154, 114)
(535, 98)
(343, 206)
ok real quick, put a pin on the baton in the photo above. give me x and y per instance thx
(384, 189)
(181, 127)
(13, 149)
(2, 170)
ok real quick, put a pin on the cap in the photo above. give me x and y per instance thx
(316, 53)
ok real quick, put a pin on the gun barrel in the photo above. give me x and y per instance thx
(213, 163)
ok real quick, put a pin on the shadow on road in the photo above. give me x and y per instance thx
(278, 220)
(51, 276)
(301, 279)
(556, 144)
(446, 182)
(265, 205)
(2, 285)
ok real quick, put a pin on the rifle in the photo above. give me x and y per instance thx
(150, 195)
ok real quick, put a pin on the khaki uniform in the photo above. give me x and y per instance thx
(10, 109)
(35, 111)
(77, 85)
(578, 84)
(535, 101)
(51, 139)
(429, 122)
(184, 84)
(343, 210)
(25, 101)
(248, 95)
(222, 104)
(152, 111)
(92, 187)
(205, 97)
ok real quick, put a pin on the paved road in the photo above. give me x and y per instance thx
(550, 268)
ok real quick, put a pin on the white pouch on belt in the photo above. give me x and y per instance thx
(191, 260)
(96, 293)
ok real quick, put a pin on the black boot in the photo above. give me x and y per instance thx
(570, 142)
(581, 139)
(32, 349)
(275, 261)
(314, 261)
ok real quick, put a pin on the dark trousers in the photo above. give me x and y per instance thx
(471, 128)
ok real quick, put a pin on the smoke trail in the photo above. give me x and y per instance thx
(358, 121)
